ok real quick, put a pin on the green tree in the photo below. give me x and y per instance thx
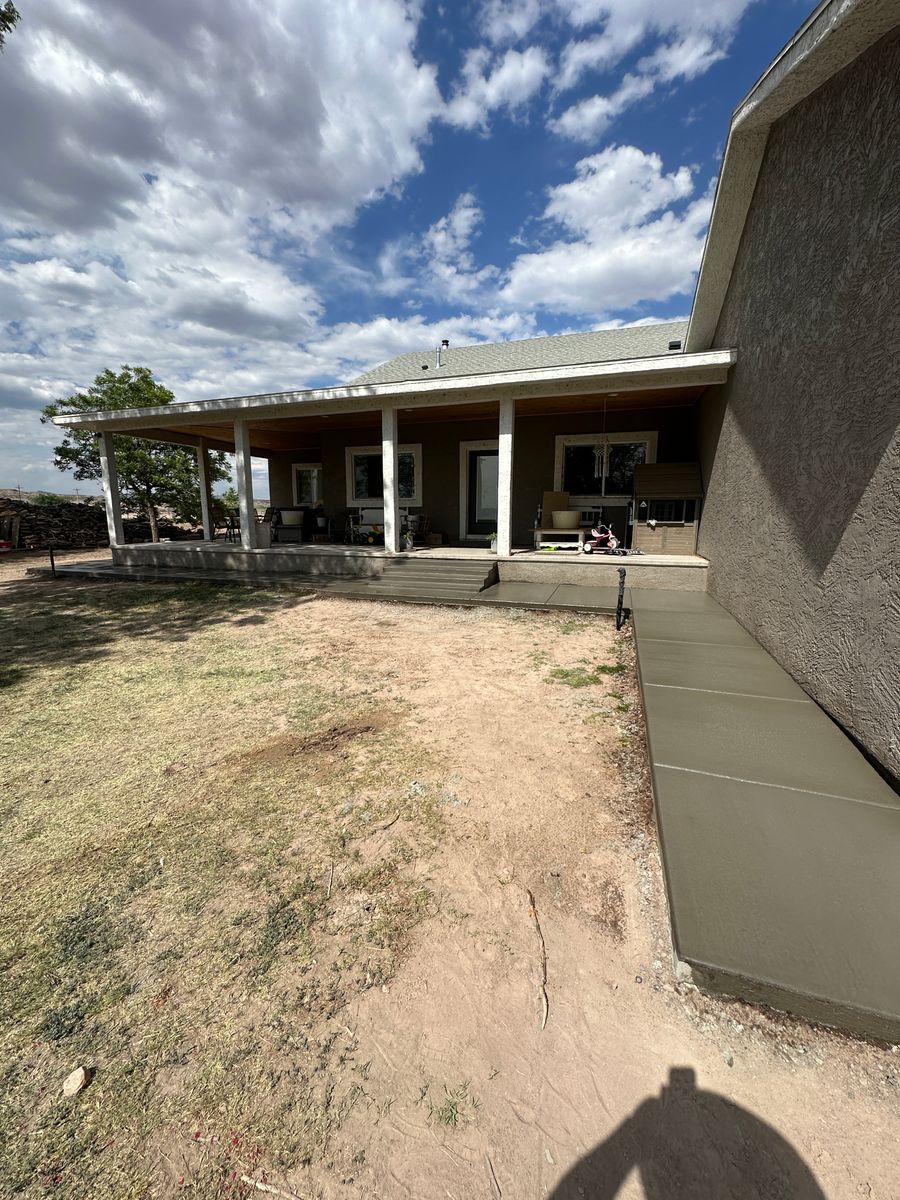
(9, 15)
(152, 475)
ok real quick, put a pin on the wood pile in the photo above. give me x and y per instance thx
(69, 526)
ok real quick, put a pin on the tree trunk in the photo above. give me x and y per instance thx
(154, 522)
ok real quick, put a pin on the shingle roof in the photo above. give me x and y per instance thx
(563, 350)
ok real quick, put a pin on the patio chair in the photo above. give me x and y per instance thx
(419, 525)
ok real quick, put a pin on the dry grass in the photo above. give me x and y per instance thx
(197, 880)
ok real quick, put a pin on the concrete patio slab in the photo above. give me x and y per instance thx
(779, 840)
(519, 593)
(795, 889)
(669, 600)
(674, 625)
(576, 595)
(792, 745)
(743, 670)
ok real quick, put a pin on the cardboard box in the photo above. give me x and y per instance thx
(434, 539)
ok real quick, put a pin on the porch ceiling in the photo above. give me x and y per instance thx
(289, 433)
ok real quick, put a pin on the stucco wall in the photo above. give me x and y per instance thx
(800, 449)
(532, 465)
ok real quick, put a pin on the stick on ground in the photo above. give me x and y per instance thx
(495, 1186)
(267, 1187)
(533, 909)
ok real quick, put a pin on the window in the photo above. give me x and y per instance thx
(590, 466)
(307, 483)
(365, 479)
(670, 512)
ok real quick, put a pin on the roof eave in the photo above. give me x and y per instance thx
(676, 370)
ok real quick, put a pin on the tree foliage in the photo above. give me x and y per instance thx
(152, 475)
(9, 15)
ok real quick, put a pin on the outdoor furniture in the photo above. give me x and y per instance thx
(232, 525)
(294, 523)
(419, 525)
(547, 535)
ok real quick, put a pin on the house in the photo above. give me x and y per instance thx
(764, 434)
(771, 417)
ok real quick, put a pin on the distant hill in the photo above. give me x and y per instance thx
(21, 494)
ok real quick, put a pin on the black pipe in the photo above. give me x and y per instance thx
(621, 600)
(52, 563)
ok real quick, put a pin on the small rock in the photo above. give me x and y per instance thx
(346, 808)
(74, 1083)
(683, 972)
(728, 1058)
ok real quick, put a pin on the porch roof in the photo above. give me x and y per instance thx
(187, 422)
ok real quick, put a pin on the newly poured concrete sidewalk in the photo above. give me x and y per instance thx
(429, 590)
(781, 844)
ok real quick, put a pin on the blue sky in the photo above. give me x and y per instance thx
(267, 194)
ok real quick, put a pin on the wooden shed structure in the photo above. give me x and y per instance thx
(667, 500)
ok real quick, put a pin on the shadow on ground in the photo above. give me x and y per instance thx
(689, 1144)
(46, 621)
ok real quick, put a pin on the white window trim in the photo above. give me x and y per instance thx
(649, 436)
(305, 466)
(464, 448)
(413, 501)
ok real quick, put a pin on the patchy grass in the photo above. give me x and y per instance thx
(208, 848)
(585, 676)
(455, 1106)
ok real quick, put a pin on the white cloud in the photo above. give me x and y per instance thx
(440, 263)
(487, 85)
(697, 34)
(302, 108)
(589, 118)
(628, 236)
(509, 20)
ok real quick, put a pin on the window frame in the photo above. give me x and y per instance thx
(585, 499)
(684, 520)
(305, 466)
(414, 501)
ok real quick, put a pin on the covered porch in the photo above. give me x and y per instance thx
(469, 459)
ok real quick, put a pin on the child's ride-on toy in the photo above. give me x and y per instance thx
(602, 541)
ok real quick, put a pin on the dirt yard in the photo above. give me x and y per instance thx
(15, 564)
(346, 900)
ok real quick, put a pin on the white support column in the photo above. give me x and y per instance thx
(111, 489)
(205, 495)
(504, 476)
(389, 472)
(244, 475)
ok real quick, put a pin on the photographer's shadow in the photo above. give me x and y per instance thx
(689, 1144)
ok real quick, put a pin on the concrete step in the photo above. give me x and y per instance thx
(433, 580)
(373, 588)
(427, 570)
(407, 595)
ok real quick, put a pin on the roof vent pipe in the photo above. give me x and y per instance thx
(445, 345)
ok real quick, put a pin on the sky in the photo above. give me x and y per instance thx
(260, 195)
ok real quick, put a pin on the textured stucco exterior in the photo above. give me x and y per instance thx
(801, 449)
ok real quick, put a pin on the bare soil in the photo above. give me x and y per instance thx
(351, 831)
(15, 564)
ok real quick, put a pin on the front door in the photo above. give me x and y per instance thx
(481, 491)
